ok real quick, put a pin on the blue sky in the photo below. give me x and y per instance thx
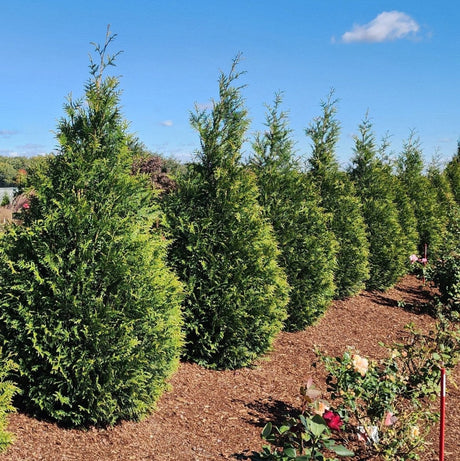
(399, 60)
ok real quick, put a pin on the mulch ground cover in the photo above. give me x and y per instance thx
(217, 415)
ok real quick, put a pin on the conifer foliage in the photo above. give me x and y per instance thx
(89, 309)
(373, 184)
(452, 172)
(431, 223)
(224, 250)
(338, 197)
(292, 206)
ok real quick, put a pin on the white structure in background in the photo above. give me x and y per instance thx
(9, 190)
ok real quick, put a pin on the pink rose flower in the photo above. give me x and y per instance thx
(390, 419)
(413, 259)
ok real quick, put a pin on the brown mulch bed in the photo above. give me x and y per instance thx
(217, 415)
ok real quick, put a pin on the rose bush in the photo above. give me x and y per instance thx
(305, 436)
(385, 403)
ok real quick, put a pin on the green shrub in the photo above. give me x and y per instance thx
(88, 308)
(292, 205)
(5, 199)
(223, 249)
(7, 391)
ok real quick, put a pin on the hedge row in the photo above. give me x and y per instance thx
(109, 280)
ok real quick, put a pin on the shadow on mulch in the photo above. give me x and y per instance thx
(415, 300)
(416, 308)
(270, 410)
(263, 411)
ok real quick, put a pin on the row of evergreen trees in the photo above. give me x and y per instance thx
(108, 281)
(337, 232)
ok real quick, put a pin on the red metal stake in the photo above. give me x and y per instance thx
(443, 414)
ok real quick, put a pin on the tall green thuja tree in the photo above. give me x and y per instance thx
(224, 249)
(448, 207)
(407, 220)
(88, 308)
(339, 198)
(292, 206)
(441, 186)
(422, 195)
(373, 184)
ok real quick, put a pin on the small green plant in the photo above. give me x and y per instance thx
(306, 436)
(7, 391)
(5, 199)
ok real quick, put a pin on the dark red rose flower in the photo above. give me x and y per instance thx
(333, 420)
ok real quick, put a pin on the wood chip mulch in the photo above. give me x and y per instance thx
(217, 415)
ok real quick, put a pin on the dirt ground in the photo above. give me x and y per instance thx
(217, 415)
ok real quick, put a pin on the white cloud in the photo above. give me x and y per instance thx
(167, 123)
(387, 26)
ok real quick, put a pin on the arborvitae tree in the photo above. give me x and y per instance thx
(89, 309)
(407, 220)
(430, 223)
(373, 184)
(339, 198)
(224, 250)
(441, 186)
(453, 174)
(292, 206)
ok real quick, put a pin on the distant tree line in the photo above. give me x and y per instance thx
(13, 169)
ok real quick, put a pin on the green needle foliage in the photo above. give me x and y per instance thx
(407, 220)
(373, 182)
(452, 172)
(224, 250)
(89, 310)
(339, 198)
(292, 206)
(431, 221)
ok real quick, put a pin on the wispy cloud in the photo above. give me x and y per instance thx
(199, 106)
(387, 26)
(167, 123)
(8, 153)
(7, 133)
